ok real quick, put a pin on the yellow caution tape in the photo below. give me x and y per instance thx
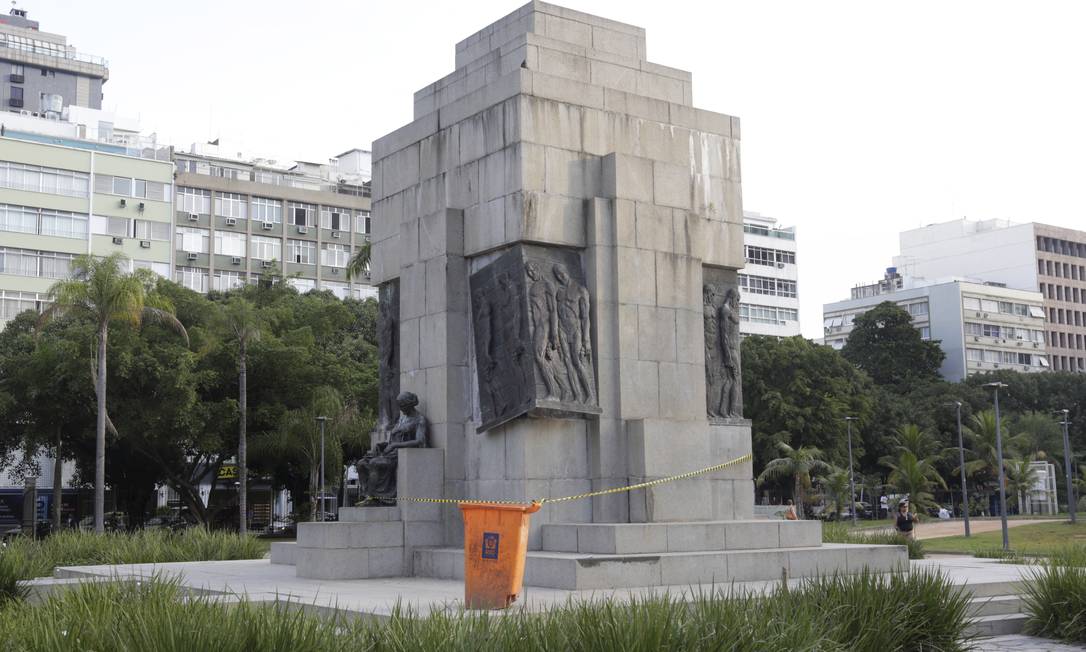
(590, 494)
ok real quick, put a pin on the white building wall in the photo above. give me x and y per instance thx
(763, 232)
(989, 250)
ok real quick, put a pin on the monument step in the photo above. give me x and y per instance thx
(573, 571)
(284, 552)
(998, 625)
(996, 605)
(368, 514)
(697, 536)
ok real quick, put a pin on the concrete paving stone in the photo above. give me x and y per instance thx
(370, 535)
(368, 514)
(816, 561)
(328, 564)
(386, 562)
(1022, 643)
(324, 535)
(560, 537)
(695, 537)
(602, 573)
(747, 535)
(284, 552)
(757, 565)
(799, 534)
(692, 570)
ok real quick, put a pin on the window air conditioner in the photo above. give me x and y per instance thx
(145, 244)
(780, 265)
(117, 240)
(193, 217)
(193, 255)
(231, 221)
(236, 260)
(303, 230)
(335, 234)
(265, 263)
(335, 270)
(267, 226)
(141, 207)
(124, 202)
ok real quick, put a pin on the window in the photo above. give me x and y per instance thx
(971, 303)
(194, 200)
(266, 248)
(768, 286)
(973, 329)
(918, 309)
(991, 330)
(192, 240)
(334, 255)
(16, 96)
(267, 210)
(341, 290)
(1041, 361)
(29, 262)
(302, 285)
(337, 219)
(1037, 311)
(766, 314)
(17, 69)
(302, 252)
(974, 355)
(63, 224)
(191, 277)
(122, 186)
(301, 214)
(162, 269)
(766, 256)
(228, 243)
(115, 226)
(18, 219)
(925, 333)
(988, 305)
(228, 204)
(69, 183)
(362, 222)
(12, 303)
(225, 281)
(147, 230)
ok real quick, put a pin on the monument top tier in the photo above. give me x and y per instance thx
(584, 31)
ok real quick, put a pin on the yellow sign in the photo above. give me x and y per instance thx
(228, 472)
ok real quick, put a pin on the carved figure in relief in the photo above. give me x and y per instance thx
(388, 367)
(714, 354)
(543, 312)
(732, 400)
(484, 355)
(377, 470)
(575, 332)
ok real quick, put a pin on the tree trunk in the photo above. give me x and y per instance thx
(314, 489)
(798, 497)
(100, 439)
(243, 473)
(58, 488)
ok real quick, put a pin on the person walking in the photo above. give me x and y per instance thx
(906, 520)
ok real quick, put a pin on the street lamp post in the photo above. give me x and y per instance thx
(1067, 464)
(851, 477)
(999, 460)
(321, 421)
(961, 465)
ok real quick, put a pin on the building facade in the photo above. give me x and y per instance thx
(42, 74)
(236, 219)
(1031, 256)
(980, 327)
(769, 302)
(62, 197)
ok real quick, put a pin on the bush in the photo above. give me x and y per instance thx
(29, 558)
(840, 533)
(10, 589)
(1055, 598)
(914, 611)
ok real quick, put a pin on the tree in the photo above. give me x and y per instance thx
(835, 487)
(1042, 436)
(103, 292)
(243, 322)
(982, 437)
(797, 465)
(794, 386)
(915, 477)
(886, 345)
(360, 262)
(1021, 478)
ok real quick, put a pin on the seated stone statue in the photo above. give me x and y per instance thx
(377, 470)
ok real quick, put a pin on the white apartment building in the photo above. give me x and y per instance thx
(1031, 256)
(980, 327)
(769, 297)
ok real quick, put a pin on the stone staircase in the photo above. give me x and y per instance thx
(997, 608)
(627, 555)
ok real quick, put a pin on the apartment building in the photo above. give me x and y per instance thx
(980, 327)
(237, 218)
(769, 297)
(1027, 256)
(65, 196)
(43, 75)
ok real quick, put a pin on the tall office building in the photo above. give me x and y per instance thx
(769, 302)
(238, 217)
(44, 75)
(1030, 256)
(980, 327)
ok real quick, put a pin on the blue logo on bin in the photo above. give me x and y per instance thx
(490, 545)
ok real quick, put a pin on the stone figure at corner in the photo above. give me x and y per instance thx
(575, 334)
(723, 376)
(377, 470)
(543, 313)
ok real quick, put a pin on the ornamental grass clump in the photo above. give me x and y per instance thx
(1055, 596)
(916, 611)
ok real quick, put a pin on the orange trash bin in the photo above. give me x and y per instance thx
(495, 545)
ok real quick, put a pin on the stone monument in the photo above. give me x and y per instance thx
(557, 234)
(377, 469)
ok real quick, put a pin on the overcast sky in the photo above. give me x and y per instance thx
(859, 119)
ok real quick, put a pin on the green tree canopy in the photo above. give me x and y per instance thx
(885, 344)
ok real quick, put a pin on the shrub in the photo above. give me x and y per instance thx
(840, 533)
(1055, 598)
(916, 611)
(10, 589)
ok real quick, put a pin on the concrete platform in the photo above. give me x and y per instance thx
(642, 538)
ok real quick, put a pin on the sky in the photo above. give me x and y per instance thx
(859, 119)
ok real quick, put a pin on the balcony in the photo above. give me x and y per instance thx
(769, 233)
(16, 102)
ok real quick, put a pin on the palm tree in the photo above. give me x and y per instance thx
(1021, 477)
(241, 319)
(982, 436)
(915, 477)
(835, 487)
(101, 290)
(360, 262)
(797, 465)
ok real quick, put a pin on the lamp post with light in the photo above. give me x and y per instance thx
(851, 477)
(1067, 463)
(961, 465)
(321, 421)
(999, 460)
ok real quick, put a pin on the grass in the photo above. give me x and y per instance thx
(26, 558)
(842, 533)
(916, 611)
(1041, 539)
(1055, 597)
